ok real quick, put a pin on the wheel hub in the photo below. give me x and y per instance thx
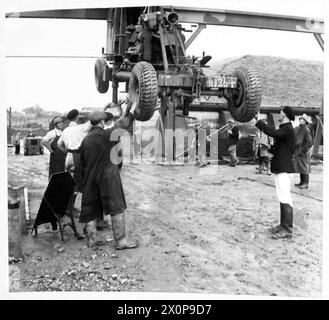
(238, 95)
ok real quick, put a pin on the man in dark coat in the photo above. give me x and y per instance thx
(282, 166)
(302, 156)
(102, 188)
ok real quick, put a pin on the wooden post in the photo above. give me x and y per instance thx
(14, 224)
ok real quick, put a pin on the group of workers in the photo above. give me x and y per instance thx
(84, 150)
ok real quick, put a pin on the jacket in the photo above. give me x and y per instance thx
(283, 148)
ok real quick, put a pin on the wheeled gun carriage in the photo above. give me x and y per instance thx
(147, 50)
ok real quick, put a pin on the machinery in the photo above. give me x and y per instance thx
(148, 53)
(33, 145)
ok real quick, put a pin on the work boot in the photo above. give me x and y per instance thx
(301, 181)
(304, 185)
(90, 231)
(119, 233)
(268, 168)
(102, 224)
(286, 223)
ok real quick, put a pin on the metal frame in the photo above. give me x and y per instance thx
(195, 15)
(202, 17)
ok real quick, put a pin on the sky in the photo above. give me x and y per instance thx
(62, 84)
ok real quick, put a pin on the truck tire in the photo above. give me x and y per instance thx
(101, 80)
(143, 90)
(245, 102)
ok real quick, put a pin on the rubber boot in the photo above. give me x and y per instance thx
(288, 215)
(304, 185)
(260, 168)
(301, 181)
(286, 222)
(91, 233)
(119, 233)
(279, 227)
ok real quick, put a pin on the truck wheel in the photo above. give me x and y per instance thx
(102, 83)
(143, 90)
(245, 102)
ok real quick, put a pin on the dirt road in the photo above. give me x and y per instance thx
(201, 230)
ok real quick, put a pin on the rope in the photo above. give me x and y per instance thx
(194, 140)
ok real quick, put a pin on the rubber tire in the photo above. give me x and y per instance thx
(244, 107)
(143, 90)
(100, 73)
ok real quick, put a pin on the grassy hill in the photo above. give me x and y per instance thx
(290, 82)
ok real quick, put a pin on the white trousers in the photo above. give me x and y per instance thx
(282, 184)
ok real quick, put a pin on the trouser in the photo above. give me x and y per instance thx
(263, 163)
(282, 185)
(17, 148)
(232, 152)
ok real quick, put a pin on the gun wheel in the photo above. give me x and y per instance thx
(246, 99)
(143, 90)
(102, 83)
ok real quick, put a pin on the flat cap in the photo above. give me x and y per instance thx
(306, 118)
(97, 116)
(72, 114)
(58, 120)
(109, 116)
(289, 112)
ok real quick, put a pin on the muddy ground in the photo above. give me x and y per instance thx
(201, 230)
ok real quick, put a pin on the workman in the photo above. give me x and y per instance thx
(57, 156)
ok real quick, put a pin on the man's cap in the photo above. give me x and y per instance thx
(109, 116)
(72, 114)
(230, 121)
(58, 120)
(289, 112)
(306, 118)
(97, 116)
